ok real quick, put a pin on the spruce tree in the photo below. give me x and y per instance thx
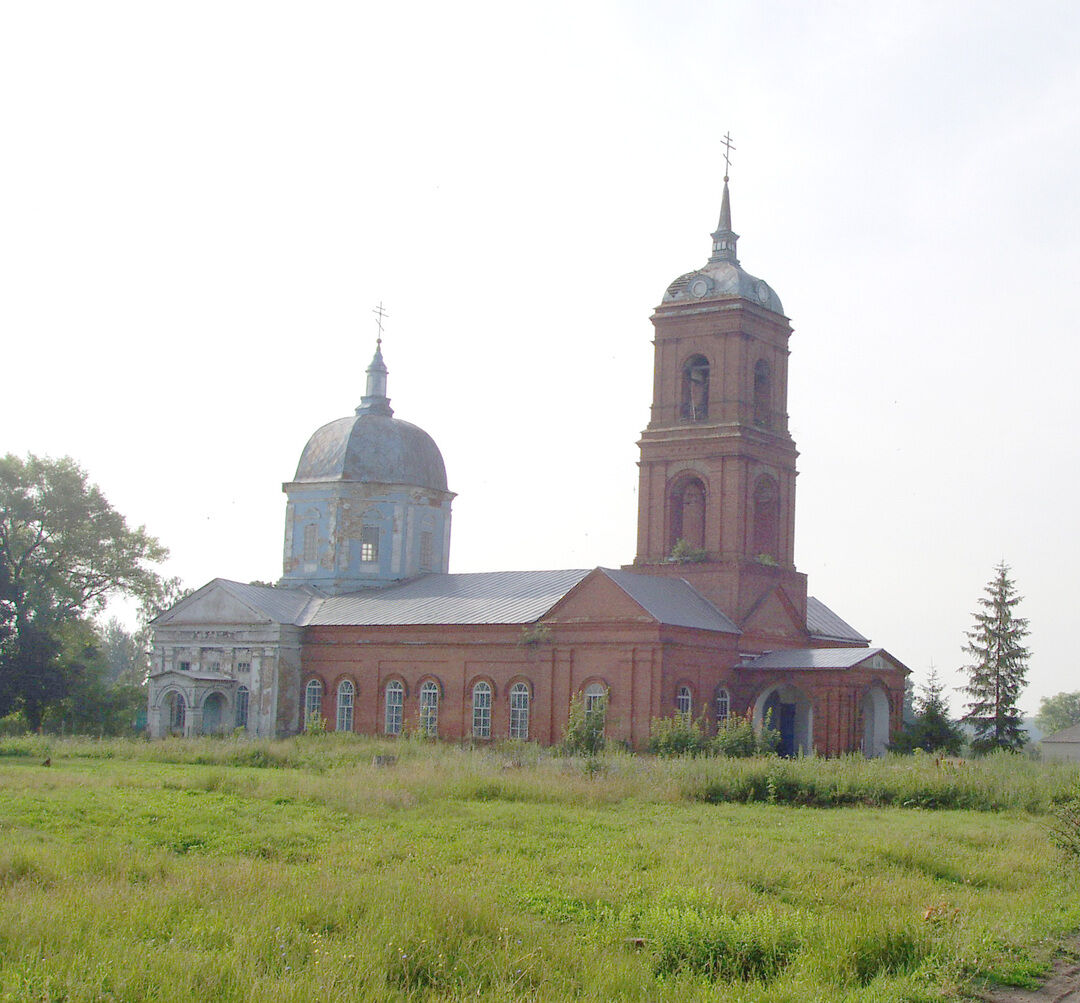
(997, 672)
(930, 730)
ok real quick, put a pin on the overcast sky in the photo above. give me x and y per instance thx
(201, 203)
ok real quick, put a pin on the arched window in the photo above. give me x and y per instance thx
(242, 697)
(481, 711)
(177, 707)
(688, 514)
(762, 394)
(595, 699)
(695, 389)
(345, 692)
(684, 702)
(312, 703)
(395, 704)
(723, 706)
(766, 540)
(519, 712)
(429, 709)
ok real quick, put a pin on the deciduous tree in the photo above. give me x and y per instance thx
(1058, 712)
(64, 550)
(998, 670)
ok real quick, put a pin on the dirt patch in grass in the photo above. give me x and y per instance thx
(1063, 986)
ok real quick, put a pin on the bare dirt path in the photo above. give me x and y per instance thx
(1063, 985)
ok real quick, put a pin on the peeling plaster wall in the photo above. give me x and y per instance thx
(219, 650)
(339, 511)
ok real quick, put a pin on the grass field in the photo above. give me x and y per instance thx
(299, 870)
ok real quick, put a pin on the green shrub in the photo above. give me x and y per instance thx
(1065, 827)
(683, 553)
(584, 734)
(678, 736)
(736, 739)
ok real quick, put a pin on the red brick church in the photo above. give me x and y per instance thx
(369, 631)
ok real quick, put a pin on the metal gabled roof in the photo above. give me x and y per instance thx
(282, 605)
(672, 601)
(823, 623)
(484, 597)
(813, 658)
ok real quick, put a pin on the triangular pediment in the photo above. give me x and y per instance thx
(597, 598)
(213, 603)
(774, 615)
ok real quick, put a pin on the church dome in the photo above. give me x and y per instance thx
(373, 448)
(722, 275)
(722, 278)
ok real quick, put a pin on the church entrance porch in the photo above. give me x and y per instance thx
(173, 714)
(213, 714)
(874, 708)
(789, 711)
(187, 703)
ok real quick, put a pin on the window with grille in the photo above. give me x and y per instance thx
(684, 702)
(310, 542)
(429, 709)
(426, 550)
(595, 699)
(519, 712)
(369, 543)
(312, 703)
(345, 693)
(723, 705)
(395, 703)
(481, 711)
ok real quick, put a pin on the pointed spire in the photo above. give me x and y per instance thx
(375, 400)
(724, 239)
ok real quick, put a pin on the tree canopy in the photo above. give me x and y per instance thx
(64, 550)
(1058, 712)
(998, 671)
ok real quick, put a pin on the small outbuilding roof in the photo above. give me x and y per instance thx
(1071, 734)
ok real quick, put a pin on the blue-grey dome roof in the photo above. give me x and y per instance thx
(722, 278)
(722, 275)
(373, 448)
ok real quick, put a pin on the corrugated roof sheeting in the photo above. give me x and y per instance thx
(672, 601)
(811, 658)
(824, 623)
(484, 597)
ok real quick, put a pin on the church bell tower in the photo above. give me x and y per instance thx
(717, 470)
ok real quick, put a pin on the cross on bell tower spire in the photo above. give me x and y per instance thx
(725, 239)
